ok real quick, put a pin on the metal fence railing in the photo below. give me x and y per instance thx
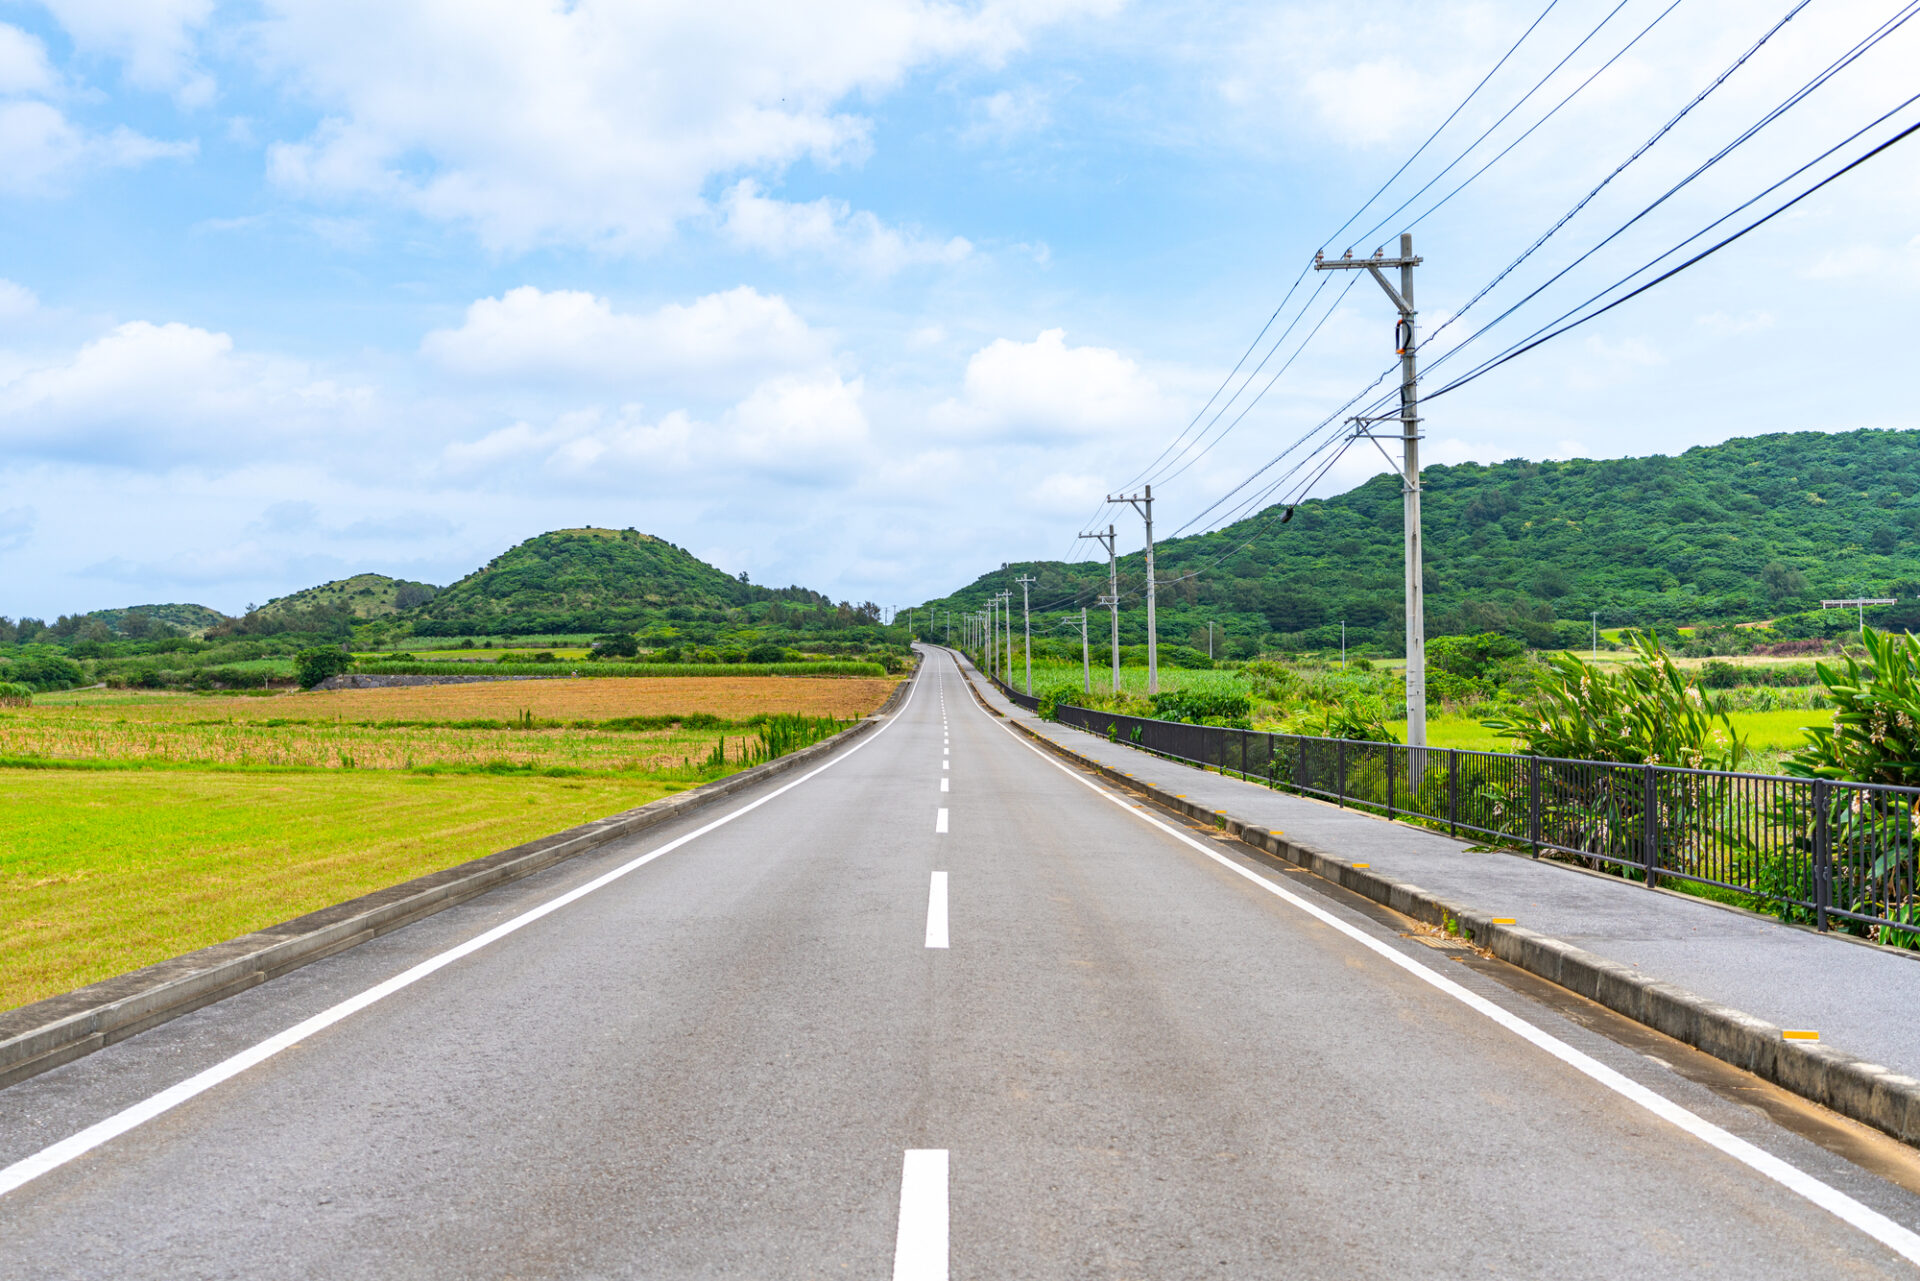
(1824, 853)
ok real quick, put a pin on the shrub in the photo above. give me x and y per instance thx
(42, 672)
(545, 656)
(1718, 675)
(14, 694)
(1203, 707)
(311, 666)
(618, 645)
(766, 652)
(1648, 714)
(1875, 735)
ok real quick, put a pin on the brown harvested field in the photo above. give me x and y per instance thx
(607, 698)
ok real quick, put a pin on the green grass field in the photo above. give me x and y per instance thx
(106, 871)
(141, 825)
(1769, 734)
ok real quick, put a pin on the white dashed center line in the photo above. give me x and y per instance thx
(937, 910)
(920, 1251)
(940, 821)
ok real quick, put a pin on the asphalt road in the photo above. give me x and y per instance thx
(1097, 1046)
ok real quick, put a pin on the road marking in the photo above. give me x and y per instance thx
(1837, 1203)
(937, 910)
(945, 764)
(920, 1251)
(943, 784)
(940, 822)
(27, 1169)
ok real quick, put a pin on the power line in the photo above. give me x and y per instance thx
(1257, 396)
(1792, 100)
(1551, 113)
(1351, 219)
(1471, 94)
(1468, 150)
(1527, 345)
(1638, 152)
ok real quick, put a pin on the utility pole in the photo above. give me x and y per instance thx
(1006, 624)
(1142, 502)
(1406, 344)
(1086, 654)
(1026, 625)
(1596, 633)
(1209, 640)
(1112, 599)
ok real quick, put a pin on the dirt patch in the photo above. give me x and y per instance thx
(598, 699)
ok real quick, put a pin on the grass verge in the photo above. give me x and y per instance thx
(105, 871)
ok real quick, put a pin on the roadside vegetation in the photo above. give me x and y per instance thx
(141, 824)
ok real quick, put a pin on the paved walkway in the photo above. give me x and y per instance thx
(1861, 999)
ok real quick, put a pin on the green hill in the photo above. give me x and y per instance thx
(1757, 528)
(189, 620)
(363, 595)
(589, 580)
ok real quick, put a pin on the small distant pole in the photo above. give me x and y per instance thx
(1343, 643)
(1596, 633)
(1209, 638)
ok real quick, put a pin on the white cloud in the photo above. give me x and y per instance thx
(856, 240)
(597, 122)
(40, 149)
(1047, 392)
(797, 430)
(147, 393)
(17, 302)
(1001, 117)
(1720, 322)
(567, 334)
(153, 40)
(23, 63)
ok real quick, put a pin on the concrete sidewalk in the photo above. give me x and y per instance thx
(1861, 999)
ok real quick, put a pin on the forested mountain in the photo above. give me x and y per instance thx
(1760, 527)
(601, 580)
(362, 596)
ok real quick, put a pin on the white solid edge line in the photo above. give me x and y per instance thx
(53, 1157)
(937, 910)
(940, 822)
(920, 1249)
(1868, 1220)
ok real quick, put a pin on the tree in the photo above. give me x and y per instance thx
(311, 666)
(1782, 581)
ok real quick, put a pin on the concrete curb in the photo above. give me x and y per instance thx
(62, 1028)
(1851, 1086)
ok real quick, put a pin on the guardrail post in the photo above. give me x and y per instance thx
(1389, 780)
(1822, 851)
(1340, 771)
(1453, 791)
(1533, 804)
(1650, 826)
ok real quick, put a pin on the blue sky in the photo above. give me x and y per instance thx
(864, 296)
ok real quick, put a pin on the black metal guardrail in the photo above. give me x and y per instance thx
(1810, 850)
